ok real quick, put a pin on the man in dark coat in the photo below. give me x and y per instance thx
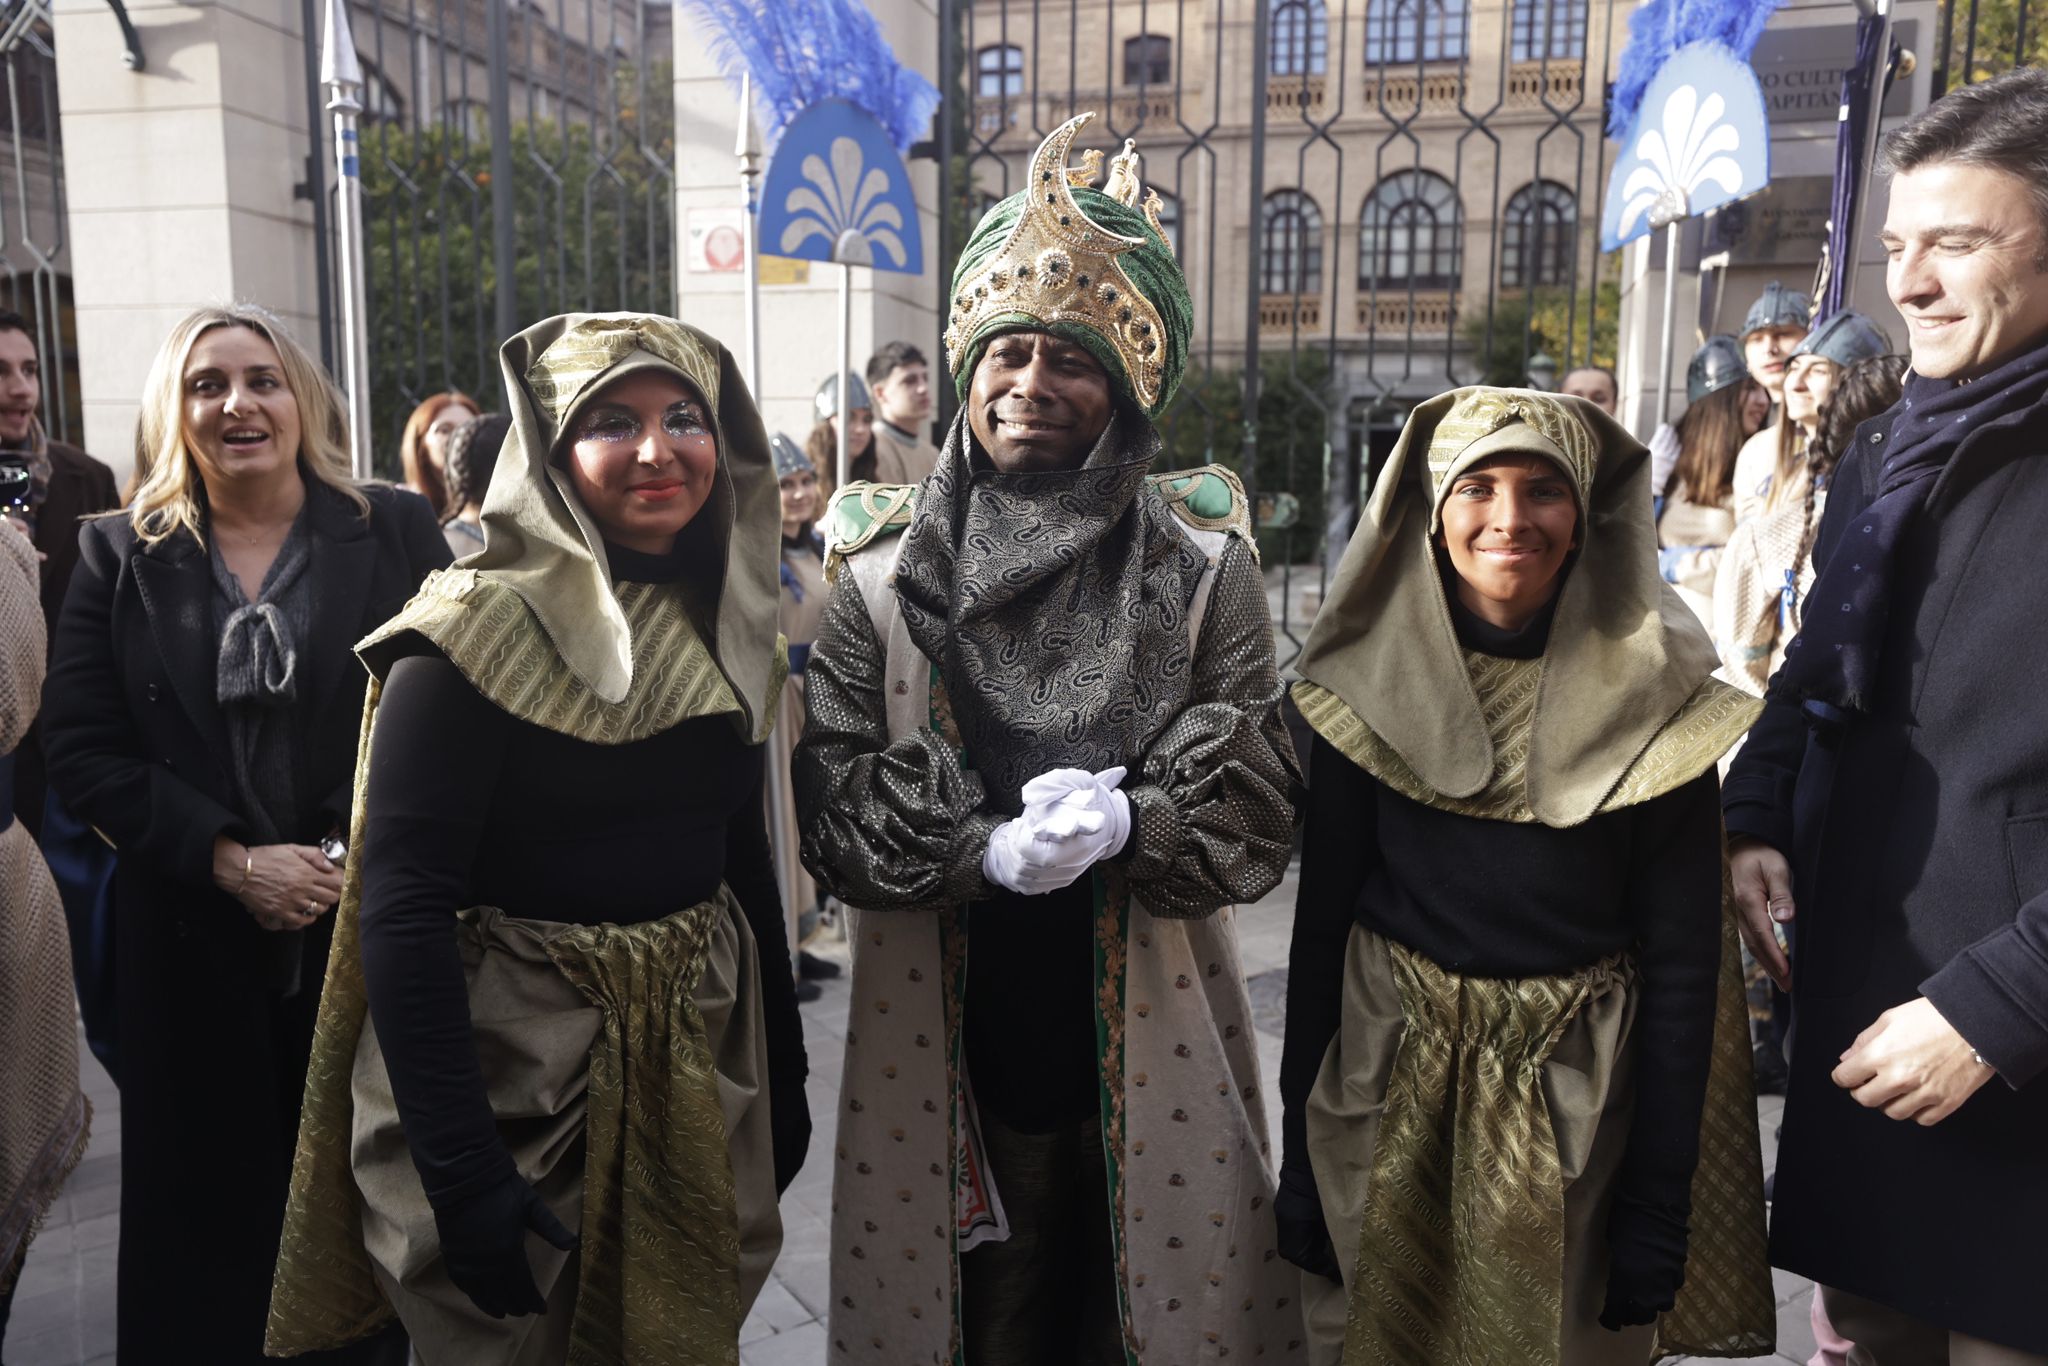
(1894, 797)
(63, 484)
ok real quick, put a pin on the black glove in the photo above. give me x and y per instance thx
(483, 1242)
(1298, 1211)
(789, 1123)
(1647, 1247)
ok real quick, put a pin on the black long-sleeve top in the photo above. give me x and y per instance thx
(1492, 898)
(469, 806)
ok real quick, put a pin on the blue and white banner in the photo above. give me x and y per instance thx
(838, 191)
(1699, 141)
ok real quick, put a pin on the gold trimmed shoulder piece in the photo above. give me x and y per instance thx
(487, 631)
(1210, 498)
(1691, 742)
(861, 514)
(1059, 265)
(1710, 723)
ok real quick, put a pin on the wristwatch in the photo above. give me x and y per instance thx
(335, 848)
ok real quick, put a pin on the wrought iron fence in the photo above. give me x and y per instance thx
(518, 160)
(1374, 200)
(1977, 39)
(35, 272)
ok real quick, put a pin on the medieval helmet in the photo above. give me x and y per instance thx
(1716, 365)
(827, 399)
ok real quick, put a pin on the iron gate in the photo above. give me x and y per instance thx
(35, 271)
(1374, 201)
(518, 161)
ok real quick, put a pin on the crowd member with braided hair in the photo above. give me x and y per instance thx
(1839, 377)
(1695, 504)
(467, 462)
(1767, 571)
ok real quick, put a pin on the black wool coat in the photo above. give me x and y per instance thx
(213, 1058)
(1918, 836)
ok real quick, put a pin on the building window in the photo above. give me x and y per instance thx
(473, 117)
(1169, 220)
(1408, 233)
(1539, 235)
(1410, 31)
(1291, 244)
(1148, 60)
(999, 71)
(1549, 30)
(1300, 39)
(381, 100)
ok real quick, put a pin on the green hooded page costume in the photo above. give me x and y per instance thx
(620, 1052)
(984, 627)
(1517, 1058)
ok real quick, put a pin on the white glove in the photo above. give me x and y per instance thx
(1072, 819)
(1072, 803)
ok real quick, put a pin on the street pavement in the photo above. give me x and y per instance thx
(64, 1308)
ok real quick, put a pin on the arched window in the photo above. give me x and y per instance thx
(381, 101)
(473, 117)
(999, 71)
(1549, 30)
(1169, 220)
(1291, 244)
(1410, 31)
(1539, 235)
(1148, 60)
(1300, 39)
(1408, 232)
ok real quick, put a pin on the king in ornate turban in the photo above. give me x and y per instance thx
(1044, 756)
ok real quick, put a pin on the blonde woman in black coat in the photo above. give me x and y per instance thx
(201, 713)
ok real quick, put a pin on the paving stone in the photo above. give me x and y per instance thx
(57, 1346)
(802, 1346)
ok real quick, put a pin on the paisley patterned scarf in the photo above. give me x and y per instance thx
(1055, 605)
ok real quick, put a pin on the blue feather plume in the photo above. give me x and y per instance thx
(1659, 28)
(802, 51)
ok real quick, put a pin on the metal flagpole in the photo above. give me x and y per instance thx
(1866, 155)
(748, 149)
(343, 77)
(1670, 317)
(845, 362)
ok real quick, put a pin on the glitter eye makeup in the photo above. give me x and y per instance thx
(685, 419)
(607, 424)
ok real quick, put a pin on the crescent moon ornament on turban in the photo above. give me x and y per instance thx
(1089, 264)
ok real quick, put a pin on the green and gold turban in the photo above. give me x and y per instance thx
(1091, 266)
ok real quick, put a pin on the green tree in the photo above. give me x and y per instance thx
(1205, 425)
(1984, 38)
(1553, 322)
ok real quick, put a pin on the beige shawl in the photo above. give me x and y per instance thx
(45, 1118)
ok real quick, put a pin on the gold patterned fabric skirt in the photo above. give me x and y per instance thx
(1466, 1135)
(627, 1069)
(1466, 1184)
